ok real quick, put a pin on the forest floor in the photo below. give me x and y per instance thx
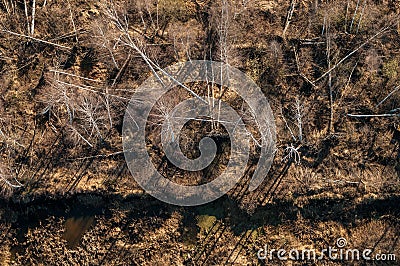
(329, 69)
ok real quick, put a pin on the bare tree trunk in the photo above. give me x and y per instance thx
(354, 16)
(361, 16)
(73, 22)
(33, 17)
(328, 57)
(346, 17)
(27, 17)
(369, 116)
(289, 17)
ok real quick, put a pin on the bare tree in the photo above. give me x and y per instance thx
(87, 110)
(91, 112)
(126, 38)
(295, 127)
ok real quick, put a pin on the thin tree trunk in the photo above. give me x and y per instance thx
(27, 17)
(289, 17)
(33, 17)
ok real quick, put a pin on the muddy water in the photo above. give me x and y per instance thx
(75, 227)
(78, 212)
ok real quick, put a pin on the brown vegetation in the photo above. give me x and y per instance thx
(330, 70)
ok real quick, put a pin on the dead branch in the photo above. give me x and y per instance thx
(123, 27)
(300, 71)
(353, 52)
(369, 116)
(75, 76)
(37, 40)
(389, 95)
